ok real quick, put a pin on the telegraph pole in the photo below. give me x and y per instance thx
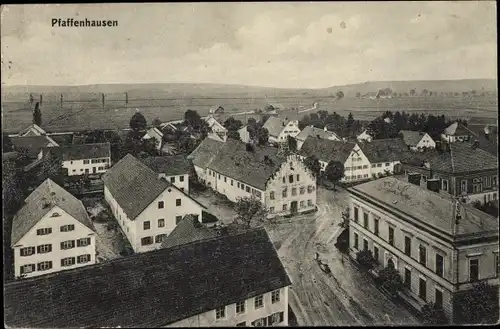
(41, 99)
(102, 96)
(61, 100)
(126, 97)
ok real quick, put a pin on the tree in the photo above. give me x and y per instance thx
(31, 99)
(345, 218)
(156, 122)
(312, 163)
(231, 124)
(412, 92)
(425, 92)
(478, 305)
(350, 120)
(334, 172)
(51, 167)
(12, 193)
(292, 143)
(365, 259)
(339, 94)
(95, 136)
(250, 211)
(6, 143)
(433, 315)
(262, 136)
(233, 135)
(391, 280)
(358, 94)
(138, 121)
(37, 114)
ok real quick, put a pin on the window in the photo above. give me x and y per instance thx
(365, 166)
(178, 219)
(356, 211)
(67, 261)
(387, 164)
(240, 307)
(44, 248)
(160, 237)
(275, 296)
(232, 182)
(284, 179)
(438, 298)
(494, 181)
(219, 176)
(290, 179)
(44, 231)
(178, 202)
(285, 207)
(262, 322)
(284, 193)
(310, 189)
(487, 181)
(225, 179)
(161, 204)
(439, 265)
(146, 225)
(259, 301)
(67, 244)
(298, 177)
(86, 161)
(172, 180)
(275, 318)
(365, 220)
(365, 244)
(374, 165)
(83, 242)
(220, 313)
(375, 224)
(464, 186)
(294, 191)
(422, 252)
(44, 266)
(242, 187)
(241, 324)
(379, 165)
(146, 241)
(407, 281)
(94, 161)
(407, 246)
(161, 222)
(302, 190)
(271, 210)
(497, 264)
(356, 241)
(474, 269)
(302, 204)
(391, 235)
(359, 167)
(309, 203)
(28, 268)
(82, 259)
(375, 253)
(445, 185)
(28, 251)
(247, 189)
(422, 289)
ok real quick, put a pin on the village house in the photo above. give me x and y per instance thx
(81, 159)
(230, 280)
(456, 132)
(176, 169)
(146, 206)
(51, 232)
(315, 132)
(463, 170)
(32, 130)
(439, 246)
(217, 109)
(218, 131)
(244, 134)
(32, 144)
(417, 140)
(280, 128)
(364, 136)
(283, 184)
(157, 135)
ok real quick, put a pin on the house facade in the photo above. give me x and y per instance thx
(81, 159)
(457, 132)
(364, 137)
(280, 128)
(218, 132)
(417, 141)
(32, 144)
(151, 212)
(51, 233)
(244, 134)
(155, 134)
(414, 230)
(315, 132)
(176, 169)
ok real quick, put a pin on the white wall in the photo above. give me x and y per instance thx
(291, 129)
(31, 239)
(208, 319)
(364, 136)
(357, 166)
(426, 142)
(244, 134)
(153, 134)
(232, 188)
(182, 185)
(78, 167)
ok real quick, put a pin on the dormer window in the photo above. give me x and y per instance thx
(56, 214)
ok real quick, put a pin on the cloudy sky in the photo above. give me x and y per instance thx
(307, 45)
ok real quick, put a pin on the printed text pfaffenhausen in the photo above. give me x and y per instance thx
(70, 22)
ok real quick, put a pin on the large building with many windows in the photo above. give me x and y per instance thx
(51, 232)
(229, 280)
(439, 245)
(146, 206)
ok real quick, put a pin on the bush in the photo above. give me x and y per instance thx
(390, 280)
(478, 305)
(433, 315)
(365, 259)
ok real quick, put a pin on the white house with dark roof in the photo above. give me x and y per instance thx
(32, 144)
(51, 232)
(280, 128)
(457, 132)
(244, 134)
(174, 168)
(315, 132)
(155, 134)
(283, 185)
(32, 130)
(216, 109)
(364, 136)
(146, 206)
(230, 280)
(218, 131)
(417, 140)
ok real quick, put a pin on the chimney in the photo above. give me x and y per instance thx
(433, 184)
(414, 178)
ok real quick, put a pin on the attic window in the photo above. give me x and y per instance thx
(56, 214)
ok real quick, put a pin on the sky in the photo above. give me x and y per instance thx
(289, 45)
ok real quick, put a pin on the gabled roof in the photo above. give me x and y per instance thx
(34, 127)
(150, 289)
(326, 150)
(32, 144)
(203, 155)
(315, 132)
(412, 138)
(274, 126)
(171, 165)
(216, 108)
(384, 150)
(249, 167)
(81, 151)
(434, 209)
(463, 158)
(211, 121)
(155, 130)
(40, 202)
(188, 230)
(457, 129)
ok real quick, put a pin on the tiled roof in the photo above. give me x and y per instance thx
(314, 132)
(326, 150)
(133, 185)
(412, 138)
(82, 151)
(457, 129)
(462, 158)
(35, 127)
(384, 150)
(32, 144)
(187, 231)
(154, 130)
(150, 289)
(40, 202)
(434, 209)
(169, 165)
(249, 167)
(274, 126)
(203, 155)
(66, 139)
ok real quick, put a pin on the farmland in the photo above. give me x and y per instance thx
(84, 110)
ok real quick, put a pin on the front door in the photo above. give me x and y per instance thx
(293, 207)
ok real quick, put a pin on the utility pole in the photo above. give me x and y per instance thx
(126, 98)
(61, 100)
(40, 99)
(102, 96)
